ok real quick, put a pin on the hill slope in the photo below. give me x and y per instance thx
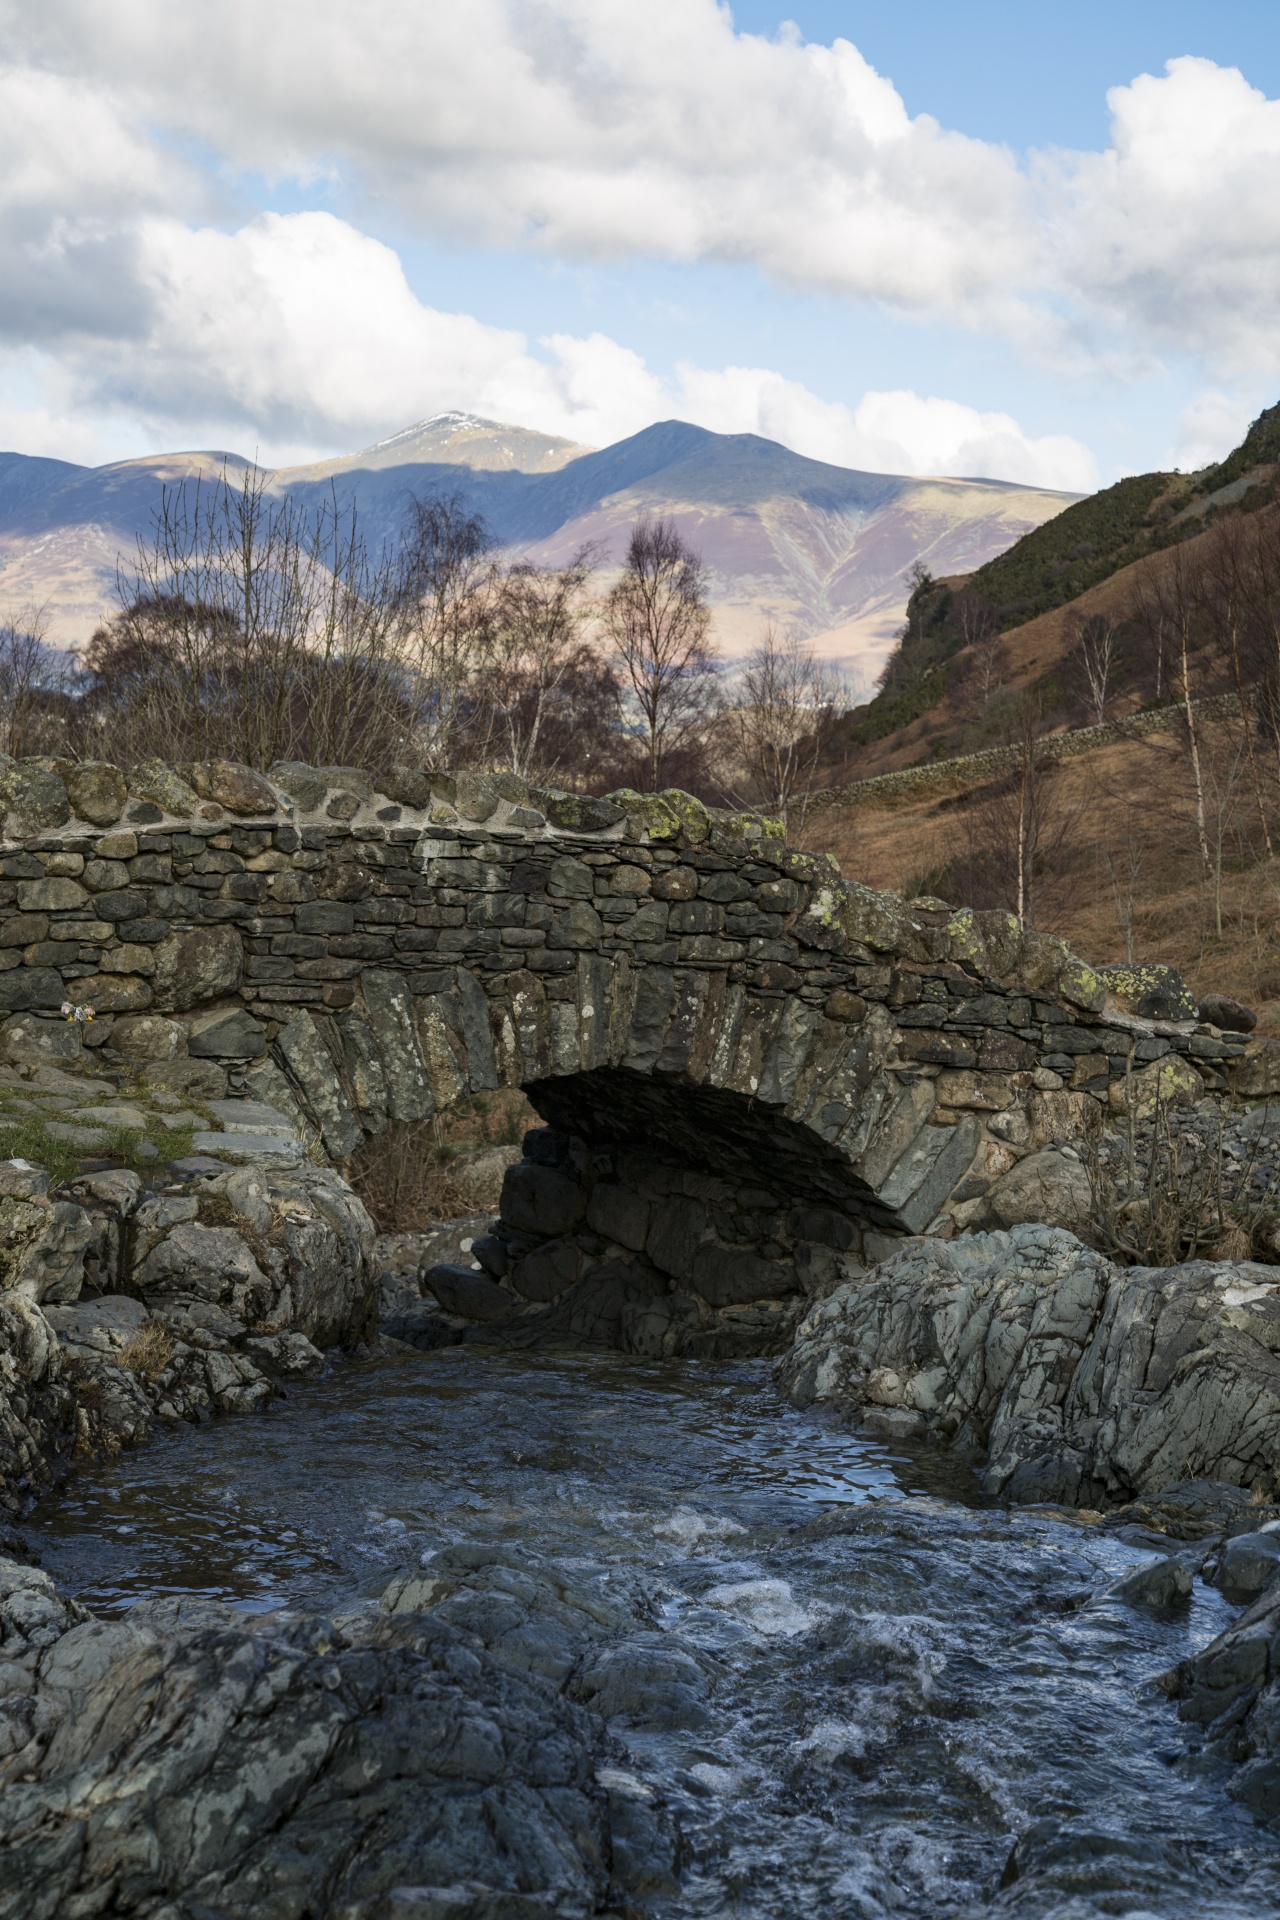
(798, 541)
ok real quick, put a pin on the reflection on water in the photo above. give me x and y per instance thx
(905, 1683)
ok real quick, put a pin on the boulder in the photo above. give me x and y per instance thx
(155, 781)
(27, 1040)
(1228, 1015)
(1083, 1382)
(467, 1293)
(1048, 1186)
(225, 1033)
(420, 1760)
(96, 790)
(1150, 992)
(1230, 1691)
(1168, 1082)
(237, 788)
(195, 966)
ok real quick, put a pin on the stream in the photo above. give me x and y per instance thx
(906, 1683)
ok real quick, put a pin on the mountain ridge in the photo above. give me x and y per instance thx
(802, 542)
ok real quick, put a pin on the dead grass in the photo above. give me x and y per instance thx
(1132, 873)
(150, 1350)
(409, 1177)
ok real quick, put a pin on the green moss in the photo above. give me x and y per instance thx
(694, 819)
(26, 1139)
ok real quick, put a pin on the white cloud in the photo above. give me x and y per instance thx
(304, 333)
(587, 129)
(1208, 429)
(1174, 232)
(898, 432)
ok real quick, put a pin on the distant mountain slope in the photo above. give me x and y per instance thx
(1098, 535)
(798, 541)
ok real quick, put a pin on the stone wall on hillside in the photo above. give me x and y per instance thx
(710, 1013)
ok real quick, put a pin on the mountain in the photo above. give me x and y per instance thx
(824, 548)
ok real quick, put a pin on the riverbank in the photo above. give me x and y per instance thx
(770, 1644)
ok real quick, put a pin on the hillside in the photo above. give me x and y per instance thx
(798, 541)
(1082, 562)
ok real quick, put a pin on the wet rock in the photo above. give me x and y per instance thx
(467, 1293)
(1162, 1583)
(1086, 1383)
(1230, 1693)
(1247, 1565)
(363, 1765)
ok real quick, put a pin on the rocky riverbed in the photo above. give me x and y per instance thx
(474, 1633)
(945, 1618)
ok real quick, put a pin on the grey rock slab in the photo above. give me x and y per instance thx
(274, 1147)
(129, 1117)
(308, 1059)
(249, 1116)
(1086, 1383)
(391, 1016)
(84, 1139)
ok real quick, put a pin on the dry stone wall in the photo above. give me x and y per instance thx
(770, 1067)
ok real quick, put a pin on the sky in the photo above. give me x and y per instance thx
(1036, 244)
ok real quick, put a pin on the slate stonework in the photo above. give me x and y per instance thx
(666, 982)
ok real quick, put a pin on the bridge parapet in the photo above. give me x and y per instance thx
(680, 992)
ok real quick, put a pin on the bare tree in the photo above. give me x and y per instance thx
(1226, 596)
(789, 702)
(1020, 828)
(253, 628)
(1093, 654)
(447, 593)
(34, 684)
(1162, 606)
(537, 657)
(980, 631)
(658, 623)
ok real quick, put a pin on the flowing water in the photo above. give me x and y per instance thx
(905, 1683)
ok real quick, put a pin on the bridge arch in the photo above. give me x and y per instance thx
(752, 1070)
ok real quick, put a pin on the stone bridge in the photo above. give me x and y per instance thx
(753, 1070)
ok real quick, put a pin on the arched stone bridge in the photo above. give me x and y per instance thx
(753, 1070)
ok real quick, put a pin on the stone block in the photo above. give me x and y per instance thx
(540, 1201)
(110, 992)
(310, 1063)
(324, 917)
(928, 1172)
(146, 1036)
(225, 1033)
(237, 788)
(36, 799)
(1257, 1074)
(96, 790)
(931, 1047)
(193, 967)
(56, 894)
(730, 1276)
(26, 987)
(676, 1227)
(1170, 1082)
(823, 1225)
(468, 1294)
(620, 1214)
(28, 1041)
(548, 1271)
(984, 1092)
